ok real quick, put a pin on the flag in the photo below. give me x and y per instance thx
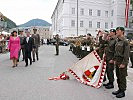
(89, 71)
(127, 12)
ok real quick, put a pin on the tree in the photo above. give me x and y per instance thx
(131, 2)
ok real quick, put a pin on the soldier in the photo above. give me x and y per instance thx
(36, 44)
(131, 53)
(109, 51)
(102, 43)
(121, 58)
(57, 44)
(22, 46)
(77, 49)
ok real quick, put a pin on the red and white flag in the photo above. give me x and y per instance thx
(127, 12)
(89, 71)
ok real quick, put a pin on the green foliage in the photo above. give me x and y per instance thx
(10, 23)
(130, 36)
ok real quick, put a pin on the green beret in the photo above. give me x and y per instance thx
(112, 30)
(106, 31)
(120, 28)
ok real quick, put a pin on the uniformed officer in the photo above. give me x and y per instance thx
(131, 53)
(36, 44)
(77, 44)
(102, 43)
(109, 51)
(57, 44)
(22, 46)
(121, 58)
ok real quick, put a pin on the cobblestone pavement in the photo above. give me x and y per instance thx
(31, 83)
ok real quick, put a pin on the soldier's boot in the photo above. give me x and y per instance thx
(120, 94)
(104, 79)
(106, 84)
(109, 86)
(116, 92)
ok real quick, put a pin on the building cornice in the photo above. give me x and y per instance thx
(55, 8)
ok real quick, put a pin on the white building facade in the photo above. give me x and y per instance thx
(44, 31)
(92, 15)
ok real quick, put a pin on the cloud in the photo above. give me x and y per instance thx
(21, 11)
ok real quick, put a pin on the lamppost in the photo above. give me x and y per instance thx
(77, 16)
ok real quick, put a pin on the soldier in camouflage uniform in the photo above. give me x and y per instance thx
(36, 44)
(109, 51)
(102, 44)
(121, 58)
(78, 45)
(57, 44)
(131, 53)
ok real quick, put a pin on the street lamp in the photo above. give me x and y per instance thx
(77, 17)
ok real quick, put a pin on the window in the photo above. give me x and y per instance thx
(106, 13)
(90, 12)
(112, 25)
(90, 24)
(81, 11)
(106, 25)
(98, 24)
(73, 23)
(130, 14)
(81, 23)
(73, 11)
(98, 12)
(112, 12)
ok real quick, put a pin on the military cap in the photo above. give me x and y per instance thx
(89, 34)
(112, 30)
(106, 31)
(120, 28)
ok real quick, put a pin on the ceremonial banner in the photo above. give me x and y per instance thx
(90, 70)
(127, 12)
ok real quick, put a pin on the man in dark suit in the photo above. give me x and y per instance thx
(28, 45)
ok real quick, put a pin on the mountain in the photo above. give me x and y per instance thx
(10, 23)
(35, 22)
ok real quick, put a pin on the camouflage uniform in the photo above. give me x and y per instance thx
(102, 45)
(57, 44)
(131, 54)
(109, 56)
(121, 56)
(36, 44)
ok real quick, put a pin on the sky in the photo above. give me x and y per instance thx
(21, 11)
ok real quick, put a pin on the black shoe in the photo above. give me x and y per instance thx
(30, 63)
(120, 95)
(110, 86)
(26, 65)
(13, 66)
(116, 92)
(33, 61)
(37, 59)
(104, 79)
(18, 60)
(131, 66)
(106, 84)
(16, 65)
(56, 54)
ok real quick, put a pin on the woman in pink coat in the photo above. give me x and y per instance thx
(14, 47)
